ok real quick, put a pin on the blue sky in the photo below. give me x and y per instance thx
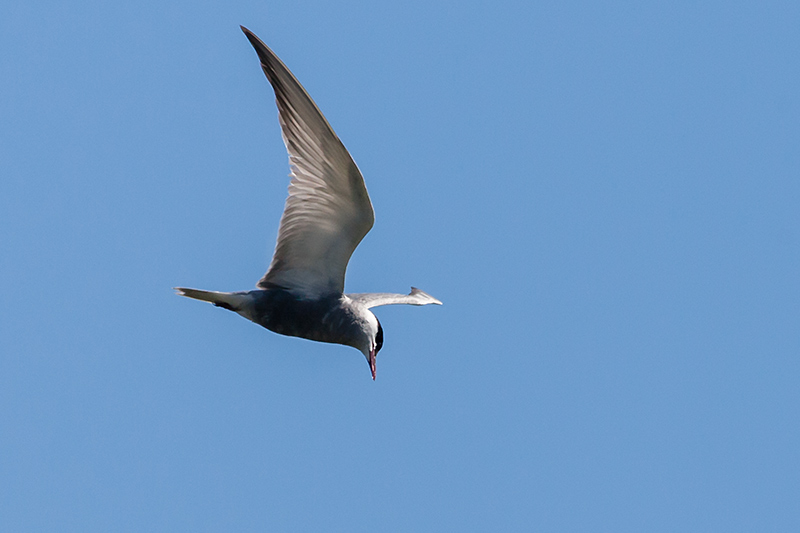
(604, 196)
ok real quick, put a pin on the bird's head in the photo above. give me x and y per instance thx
(374, 353)
(371, 340)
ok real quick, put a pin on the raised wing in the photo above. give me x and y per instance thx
(374, 299)
(328, 210)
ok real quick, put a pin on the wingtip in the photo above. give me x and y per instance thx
(430, 299)
(263, 51)
(250, 35)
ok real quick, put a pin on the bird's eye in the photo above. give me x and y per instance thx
(379, 338)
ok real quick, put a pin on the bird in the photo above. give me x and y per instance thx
(327, 214)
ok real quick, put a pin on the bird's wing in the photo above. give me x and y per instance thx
(328, 210)
(374, 299)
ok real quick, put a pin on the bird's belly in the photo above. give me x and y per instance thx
(315, 320)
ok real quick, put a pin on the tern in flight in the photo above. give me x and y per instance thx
(327, 213)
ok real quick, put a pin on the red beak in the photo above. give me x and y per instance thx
(372, 363)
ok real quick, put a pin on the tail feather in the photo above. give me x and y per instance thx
(227, 300)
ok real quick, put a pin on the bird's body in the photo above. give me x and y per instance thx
(334, 318)
(327, 213)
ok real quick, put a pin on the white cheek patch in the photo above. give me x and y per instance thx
(372, 323)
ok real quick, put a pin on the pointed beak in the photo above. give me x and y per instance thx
(372, 363)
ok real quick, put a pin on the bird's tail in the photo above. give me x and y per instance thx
(233, 301)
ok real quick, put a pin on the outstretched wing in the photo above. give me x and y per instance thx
(374, 299)
(328, 210)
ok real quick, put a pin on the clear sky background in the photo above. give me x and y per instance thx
(605, 196)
